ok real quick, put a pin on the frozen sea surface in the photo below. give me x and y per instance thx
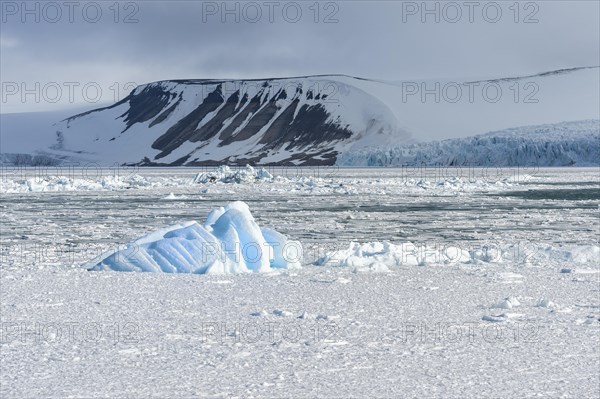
(526, 326)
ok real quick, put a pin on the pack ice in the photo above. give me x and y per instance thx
(230, 241)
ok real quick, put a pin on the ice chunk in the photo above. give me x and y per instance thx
(229, 242)
(574, 254)
(507, 303)
(224, 174)
(546, 303)
(282, 313)
(495, 318)
(172, 196)
(504, 304)
(381, 256)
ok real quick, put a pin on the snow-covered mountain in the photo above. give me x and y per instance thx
(561, 144)
(311, 120)
(303, 121)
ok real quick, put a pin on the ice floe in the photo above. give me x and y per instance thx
(224, 174)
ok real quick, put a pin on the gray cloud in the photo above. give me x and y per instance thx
(179, 39)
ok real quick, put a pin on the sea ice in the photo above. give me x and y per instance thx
(64, 183)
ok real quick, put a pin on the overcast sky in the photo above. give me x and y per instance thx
(52, 46)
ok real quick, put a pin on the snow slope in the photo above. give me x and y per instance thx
(24, 137)
(437, 109)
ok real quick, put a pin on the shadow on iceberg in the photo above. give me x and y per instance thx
(230, 241)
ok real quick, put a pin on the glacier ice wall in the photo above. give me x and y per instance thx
(563, 144)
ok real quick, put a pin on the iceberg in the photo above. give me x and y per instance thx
(230, 241)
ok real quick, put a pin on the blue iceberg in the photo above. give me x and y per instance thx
(230, 241)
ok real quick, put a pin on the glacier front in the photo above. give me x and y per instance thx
(230, 241)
